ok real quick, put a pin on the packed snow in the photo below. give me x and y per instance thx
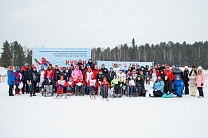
(77, 117)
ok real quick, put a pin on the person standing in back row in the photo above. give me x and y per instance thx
(186, 80)
(11, 80)
(192, 81)
(24, 72)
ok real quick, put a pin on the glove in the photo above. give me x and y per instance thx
(202, 84)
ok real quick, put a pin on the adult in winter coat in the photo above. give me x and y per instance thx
(80, 64)
(76, 73)
(102, 68)
(186, 79)
(48, 81)
(192, 81)
(122, 77)
(49, 71)
(90, 64)
(129, 69)
(140, 86)
(158, 87)
(167, 88)
(57, 73)
(111, 74)
(33, 78)
(149, 86)
(177, 72)
(11, 80)
(64, 74)
(138, 70)
(18, 79)
(100, 76)
(41, 75)
(169, 73)
(70, 70)
(31, 70)
(200, 79)
(154, 74)
(178, 87)
(104, 86)
(95, 72)
(143, 70)
(25, 71)
(106, 74)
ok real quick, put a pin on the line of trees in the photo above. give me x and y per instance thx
(21, 54)
(170, 53)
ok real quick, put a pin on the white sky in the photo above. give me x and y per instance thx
(93, 23)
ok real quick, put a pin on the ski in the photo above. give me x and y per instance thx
(56, 97)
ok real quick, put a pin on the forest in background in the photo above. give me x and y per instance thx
(170, 53)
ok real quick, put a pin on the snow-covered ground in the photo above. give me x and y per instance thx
(80, 117)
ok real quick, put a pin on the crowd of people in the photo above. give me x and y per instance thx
(145, 81)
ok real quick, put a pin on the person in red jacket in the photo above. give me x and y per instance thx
(80, 84)
(104, 86)
(92, 85)
(70, 85)
(169, 73)
(95, 72)
(60, 84)
(49, 71)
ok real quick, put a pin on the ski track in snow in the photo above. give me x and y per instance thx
(78, 117)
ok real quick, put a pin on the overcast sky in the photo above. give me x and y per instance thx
(93, 23)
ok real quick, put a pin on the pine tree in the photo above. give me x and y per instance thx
(6, 55)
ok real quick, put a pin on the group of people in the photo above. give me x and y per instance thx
(157, 81)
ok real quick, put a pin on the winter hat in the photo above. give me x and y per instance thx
(92, 76)
(79, 77)
(34, 68)
(64, 68)
(177, 76)
(133, 65)
(193, 67)
(177, 65)
(43, 59)
(111, 68)
(32, 65)
(186, 67)
(10, 68)
(137, 65)
(42, 66)
(56, 65)
(199, 67)
(123, 70)
(26, 64)
(104, 78)
(70, 78)
(142, 66)
(95, 66)
(167, 66)
(151, 66)
(115, 76)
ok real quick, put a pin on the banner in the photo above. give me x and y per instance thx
(122, 64)
(63, 57)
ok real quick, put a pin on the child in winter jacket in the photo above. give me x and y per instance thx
(132, 85)
(148, 85)
(60, 84)
(70, 85)
(178, 87)
(104, 86)
(80, 84)
(18, 80)
(92, 85)
(11, 80)
(200, 79)
(88, 75)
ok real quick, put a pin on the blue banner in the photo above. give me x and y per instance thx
(63, 57)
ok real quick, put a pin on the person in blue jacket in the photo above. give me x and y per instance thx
(158, 87)
(178, 86)
(11, 80)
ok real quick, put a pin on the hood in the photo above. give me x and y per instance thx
(17, 69)
(76, 67)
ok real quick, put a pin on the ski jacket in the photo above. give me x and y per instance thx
(62, 83)
(105, 83)
(18, 76)
(64, 74)
(79, 82)
(76, 73)
(25, 71)
(159, 86)
(11, 77)
(56, 75)
(200, 79)
(71, 83)
(88, 75)
(50, 72)
(92, 82)
(169, 74)
(115, 81)
(177, 72)
(179, 85)
(140, 84)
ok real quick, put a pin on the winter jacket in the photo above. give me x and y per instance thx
(18, 76)
(11, 77)
(106, 74)
(138, 71)
(169, 74)
(111, 75)
(140, 84)
(177, 72)
(76, 73)
(130, 82)
(79, 81)
(88, 75)
(62, 83)
(71, 83)
(116, 70)
(162, 76)
(80, 65)
(149, 87)
(50, 72)
(200, 79)
(102, 69)
(185, 76)
(115, 81)
(179, 85)
(122, 77)
(56, 75)
(48, 82)
(95, 72)
(192, 78)
(168, 86)
(157, 73)
(142, 76)
(92, 82)
(65, 75)
(91, 65)
(134, 76)
(105, 83)
(159, 86)
(33, 76)
(70, 72)
(24, 71)
(100, 76)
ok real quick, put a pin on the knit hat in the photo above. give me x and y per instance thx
(177, 65)
(10, 68)
(193, 66)
(111, 68)
(56, 65)
(104, 78)
(26, 64)
(177, 76)
(32, 65)
(199, 67)
(167, 66)
(34, 68)
(186, 67)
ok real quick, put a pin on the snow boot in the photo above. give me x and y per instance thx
(34, 94)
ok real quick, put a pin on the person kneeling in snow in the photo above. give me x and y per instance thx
(104, 86)
(178, 87)
(80, 84)
(60, 84)
(92, 85)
